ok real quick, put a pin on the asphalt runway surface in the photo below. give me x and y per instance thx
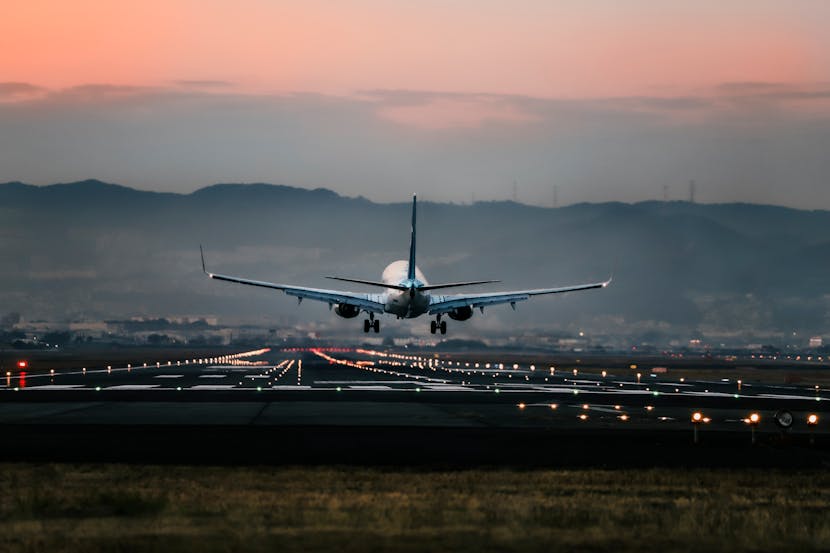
(392, 406)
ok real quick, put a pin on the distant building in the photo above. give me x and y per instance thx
(815, 342)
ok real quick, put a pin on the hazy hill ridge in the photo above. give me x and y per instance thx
(92, 249)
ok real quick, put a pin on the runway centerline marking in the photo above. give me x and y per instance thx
(55, 387)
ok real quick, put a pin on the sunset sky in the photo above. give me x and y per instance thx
(607, 100)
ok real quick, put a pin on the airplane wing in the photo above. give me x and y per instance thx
(445, 304)
(367, 302)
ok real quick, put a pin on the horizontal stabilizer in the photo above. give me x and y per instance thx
(456, 284)
(370, 283)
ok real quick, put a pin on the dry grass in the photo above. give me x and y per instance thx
(114, 508)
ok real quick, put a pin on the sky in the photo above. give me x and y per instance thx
(457, 99)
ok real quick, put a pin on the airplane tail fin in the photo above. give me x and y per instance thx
(411, 271)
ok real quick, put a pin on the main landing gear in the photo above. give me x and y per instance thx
(438, 324)
(371, 323)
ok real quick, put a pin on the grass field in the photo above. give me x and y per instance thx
(97, 508)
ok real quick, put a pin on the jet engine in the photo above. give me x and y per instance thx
(347, 311)
(461, 313)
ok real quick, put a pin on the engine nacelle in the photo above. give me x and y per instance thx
(347, 311)
(461, 313)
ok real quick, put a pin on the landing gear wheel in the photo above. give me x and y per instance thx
(376, 325)
(366, 325)
(433, 326)
(443, 327)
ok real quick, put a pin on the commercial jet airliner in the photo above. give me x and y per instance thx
(406, 293)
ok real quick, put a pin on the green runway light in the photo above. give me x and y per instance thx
(97, 388)
(417, 389)
(736, 396)
(339, 389)
(655, 393)
(259, 388)
(497, 390)
(179, 388)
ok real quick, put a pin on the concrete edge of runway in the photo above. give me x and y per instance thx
(425, 395)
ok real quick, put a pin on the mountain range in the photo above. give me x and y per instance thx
(93, 250)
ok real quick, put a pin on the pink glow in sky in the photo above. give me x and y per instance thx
(535, 48)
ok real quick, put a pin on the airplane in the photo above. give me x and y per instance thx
(406, 293)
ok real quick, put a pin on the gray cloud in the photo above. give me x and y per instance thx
(774, 91)
(738, 141)
(18, 91)
(203, 83)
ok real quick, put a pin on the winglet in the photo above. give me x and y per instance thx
(607, 282)
(202, 253)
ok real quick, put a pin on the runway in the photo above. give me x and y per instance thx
(358, 395)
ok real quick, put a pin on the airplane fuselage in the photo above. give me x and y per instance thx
(404, 304)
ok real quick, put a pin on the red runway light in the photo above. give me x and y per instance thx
(22, 364)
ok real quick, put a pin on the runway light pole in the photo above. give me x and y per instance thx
(812, 422)
(752, 421)
(697, 419)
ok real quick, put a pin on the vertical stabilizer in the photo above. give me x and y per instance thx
(411, 270)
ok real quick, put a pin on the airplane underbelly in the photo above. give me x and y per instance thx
(402, 305)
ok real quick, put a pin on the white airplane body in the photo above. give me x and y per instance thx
(407, 293)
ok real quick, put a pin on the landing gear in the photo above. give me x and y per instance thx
(371, 324)
(437, 325)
